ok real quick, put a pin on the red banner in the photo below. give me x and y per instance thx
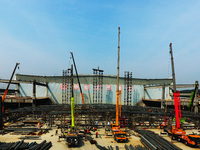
(86, 87)
(108, 87)
(64, 86)
(76, 87)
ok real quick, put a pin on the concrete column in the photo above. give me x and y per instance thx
(163, 97)
(47, 89)
(34, 94)
(144, 92)
(1, 116)
(18, 97)
(196, 101)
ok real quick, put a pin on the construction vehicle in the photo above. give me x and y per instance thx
(6, 91)
(191, 140)
(78, 80)
(193, 97)
(119, 135)
(174, 131)
(72, 137)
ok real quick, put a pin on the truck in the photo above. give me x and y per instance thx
(120, 136)
(190, 140)
(72, 139)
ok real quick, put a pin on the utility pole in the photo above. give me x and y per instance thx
(117, 103)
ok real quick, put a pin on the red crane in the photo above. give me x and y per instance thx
(6, 91)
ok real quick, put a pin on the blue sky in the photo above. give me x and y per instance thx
(41, 34)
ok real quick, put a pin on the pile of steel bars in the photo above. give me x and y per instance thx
(155, 142)
(104, 148)
(138, 147)
(22, 145)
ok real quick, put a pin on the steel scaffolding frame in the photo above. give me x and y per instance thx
(66, 87)
(64, 84)
(128, 88)
(69, 86)
(97, 86)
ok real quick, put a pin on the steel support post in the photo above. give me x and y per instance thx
(163, 97)
(1, 115)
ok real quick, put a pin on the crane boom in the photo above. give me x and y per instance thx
(6, 91)
(72, 100)
(173, 71)
(78, 78)
(176, 94)
(117, 102)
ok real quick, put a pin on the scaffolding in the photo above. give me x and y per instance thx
(64, 84)
(97, 86)
(128, 88)
(66, 87)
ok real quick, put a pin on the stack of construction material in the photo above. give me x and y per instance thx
(21, 145)
(155, 142)
(138, 147)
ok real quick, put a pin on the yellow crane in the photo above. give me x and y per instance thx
(119, 135)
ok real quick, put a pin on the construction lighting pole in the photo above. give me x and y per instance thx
(117, 102)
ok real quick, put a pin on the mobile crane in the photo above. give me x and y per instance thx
(194, 95)
(175, 131)
(78, 79)
(6, 91)
(119, 135)
(72, 137)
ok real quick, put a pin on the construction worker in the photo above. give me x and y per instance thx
(96, 134)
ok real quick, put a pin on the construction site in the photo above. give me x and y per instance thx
(98, 112)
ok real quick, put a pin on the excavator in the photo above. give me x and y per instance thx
(119, 135)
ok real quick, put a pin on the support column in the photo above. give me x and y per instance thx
(144, 92)
(1, 116)
(34, 94)
(196, 101)
(18, 97)
(47, 87)
(163, 97)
